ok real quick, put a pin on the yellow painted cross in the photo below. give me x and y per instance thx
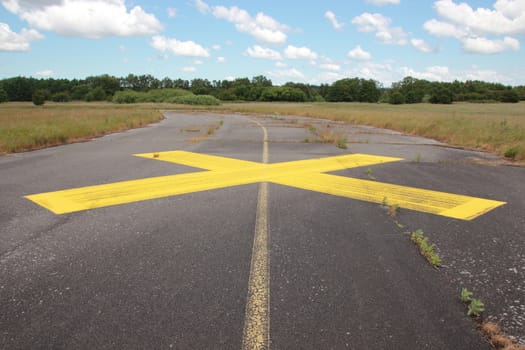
(226, 172)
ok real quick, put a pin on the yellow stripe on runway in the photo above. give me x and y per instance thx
(256, 332)
(434, 202)
(221, 172)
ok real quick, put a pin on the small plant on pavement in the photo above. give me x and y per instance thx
(393, 210)
(466, 295)
(370, 174)
(341, 143)
(475, 306)
(425, 248)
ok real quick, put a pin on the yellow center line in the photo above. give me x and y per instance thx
(256, 333)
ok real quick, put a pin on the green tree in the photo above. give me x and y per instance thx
(201, 86)
(39, 97)
(369, 91)
(19, 88)
(109, 84)
(396, 98)
(412, 89)
(510, 96)
(96, 94)
(262, 81)
(79, 92)
(442, 95)
(344, 90)
(3, 95)
(63, 96)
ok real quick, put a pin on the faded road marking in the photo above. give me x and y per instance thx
(256, 334)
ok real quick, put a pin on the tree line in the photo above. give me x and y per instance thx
(259, 88)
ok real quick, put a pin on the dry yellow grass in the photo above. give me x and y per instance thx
(497, 127)
(25, 127)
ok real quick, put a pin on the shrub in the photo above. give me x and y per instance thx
(511, 153)
(97, 94)
(155, 95)
(396, 98)
(61, 97)
(39, 97)
(510, 96)
(203, 100)
(283, 93)
(126, 96)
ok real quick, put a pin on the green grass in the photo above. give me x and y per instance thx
(26, 127)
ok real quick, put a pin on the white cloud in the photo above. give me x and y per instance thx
(471, 26)
(197, 62)
(178, 48)
(202, 6)
(11, 41)
(484, 75)
(331, 67)
(329, 77)
(172, 12)
(486, 46)
(216, 47)
(46, 73)
(262, 27)
(383, 2)
(288, 73)
(299, 53)
(443, 29)
(380, 25)
(333, 20)
(262, 52)
(188, 69)
(381, 72)
(434, 73)
(358, 53)
(422, 46)
(221, 59)
(281, 64)
(507, 17)
(85, 18)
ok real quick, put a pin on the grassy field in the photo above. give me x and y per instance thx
(499, 128)
(26, 127)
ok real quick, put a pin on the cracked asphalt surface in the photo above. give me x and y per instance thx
(174, 272)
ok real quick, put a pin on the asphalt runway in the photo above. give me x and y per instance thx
(256, 236)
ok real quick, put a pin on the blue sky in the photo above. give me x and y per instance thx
(302, 41)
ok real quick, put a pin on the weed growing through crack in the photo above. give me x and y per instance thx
(341, 143)
(369, 172)
(393, 209)
(311, 128)
(425, 248)
(466, 295)
(475, 306)
(209, 132)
